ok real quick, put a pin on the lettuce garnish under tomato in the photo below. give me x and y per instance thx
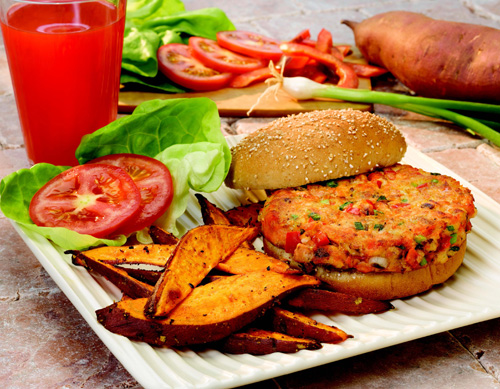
(182, 133)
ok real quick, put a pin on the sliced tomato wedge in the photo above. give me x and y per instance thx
(208, 52)
(251, 44)
(92, 199)
(176, 61)
(154, 181)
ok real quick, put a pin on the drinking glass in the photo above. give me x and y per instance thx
(64, 58)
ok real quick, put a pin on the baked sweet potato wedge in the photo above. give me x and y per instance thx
(197, 252)
(260, 342)
(211, 312)
(160, 236)
(245, 260)
(245, 215)
(127, 284)
(301, 326)
(143, 262)
(242, 216)
(210, 213)
(329, 301)
(153, 254)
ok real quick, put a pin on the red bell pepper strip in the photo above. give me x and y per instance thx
(325, 41)
(309, 71)
(346, 74)
(245, 79)
(301, 36)
(364, 70)
(344, 49)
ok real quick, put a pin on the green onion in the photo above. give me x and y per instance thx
(423, 262)
(450, 228)
(345, 205)
(303, 88)
(420, 239)
(359, 226)
(314, 216)
(453, 238)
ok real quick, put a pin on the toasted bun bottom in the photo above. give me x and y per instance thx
(381, 286)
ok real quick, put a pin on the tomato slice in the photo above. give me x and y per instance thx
(92, 199)
(208, 52)
(251, 44)
(154, 181)
(176, 61)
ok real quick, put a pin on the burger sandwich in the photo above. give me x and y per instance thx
(342, 207)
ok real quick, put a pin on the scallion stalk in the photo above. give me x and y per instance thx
(302, 88)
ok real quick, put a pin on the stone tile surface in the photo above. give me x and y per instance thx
(45, 343)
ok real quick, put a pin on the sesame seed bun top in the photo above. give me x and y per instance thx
(314, 146)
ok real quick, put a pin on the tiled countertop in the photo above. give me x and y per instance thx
(46, 344)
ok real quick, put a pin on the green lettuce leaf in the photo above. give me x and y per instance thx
(182, 133)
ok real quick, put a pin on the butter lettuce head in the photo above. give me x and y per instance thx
(182, 133)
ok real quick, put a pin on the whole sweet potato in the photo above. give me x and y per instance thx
(434, 58)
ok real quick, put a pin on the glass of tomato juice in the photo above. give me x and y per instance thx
(64, 59)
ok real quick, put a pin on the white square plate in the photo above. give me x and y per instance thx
(470, 296)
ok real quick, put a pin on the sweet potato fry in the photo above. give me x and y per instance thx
(210, 213)
(329, 301)
(245, 260)
(245, 215)
(127, 284)
(301, 326)
(197, 252)
(154, 254)
(161, 236)
(260, 342)
(211, 312)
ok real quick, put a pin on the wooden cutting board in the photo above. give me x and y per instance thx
(236, 102)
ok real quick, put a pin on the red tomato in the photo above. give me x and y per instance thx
(212, 55)
(90, 199)
(320, 239)
(176, 61)
(152, 178)
(251, 44)
(291, 241)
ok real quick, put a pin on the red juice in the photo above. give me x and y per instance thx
(64, 62)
